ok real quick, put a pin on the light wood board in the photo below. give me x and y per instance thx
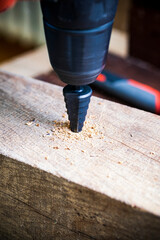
(101, 184)
(29, 64)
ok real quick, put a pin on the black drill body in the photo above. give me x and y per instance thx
(77, 35)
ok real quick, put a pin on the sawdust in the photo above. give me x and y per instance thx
(29, 123)
(67, 148)
(119, 162)
(61, 130)
(64, 115)
(152, 153)
(56, 147)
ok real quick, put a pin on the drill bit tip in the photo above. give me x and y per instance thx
(77, 100)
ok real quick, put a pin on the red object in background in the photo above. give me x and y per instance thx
(5, 4)
(101, 78)
(149, 89)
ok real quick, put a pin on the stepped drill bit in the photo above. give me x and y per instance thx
(77, 100)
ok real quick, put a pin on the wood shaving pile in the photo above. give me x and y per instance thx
(30, 122)
(61, 129)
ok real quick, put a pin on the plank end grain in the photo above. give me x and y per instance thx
(101, 184)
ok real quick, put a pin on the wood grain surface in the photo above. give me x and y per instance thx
(101, 184)
(28, 64)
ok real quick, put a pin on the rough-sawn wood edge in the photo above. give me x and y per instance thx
(110, 216)
(38, 205)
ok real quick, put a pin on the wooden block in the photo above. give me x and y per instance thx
(103, 183)
(119, 43)
(29, 64)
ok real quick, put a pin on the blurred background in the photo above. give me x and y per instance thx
(136, 30)
(134, 51)
(20, 29)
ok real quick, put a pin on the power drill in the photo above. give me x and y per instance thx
(77, 35)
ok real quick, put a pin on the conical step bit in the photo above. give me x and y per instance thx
(77, 100)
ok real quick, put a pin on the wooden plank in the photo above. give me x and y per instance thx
(101, 184)
(29, 64)
(119, 43)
